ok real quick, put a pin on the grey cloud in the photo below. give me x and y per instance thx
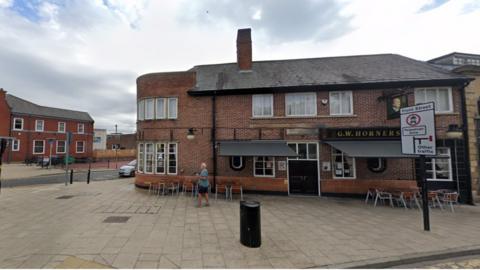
(281, 20)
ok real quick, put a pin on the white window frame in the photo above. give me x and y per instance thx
(141, 110)
(176, 108)
(147, 102)
(350, 94)
(76, 147)
(15, 149)
(64, 127)
(14, 120)
(168, 158)
(38, 121)
(64, 147)
(264, 162)
(164, 157)
(271, 105)
(164, 101)
(153, 158)
(354, 165)
(141, 152)
(290, 95)
(450, 97)
(81, 130)
(307, 151)
(434, 169)
(43, 147)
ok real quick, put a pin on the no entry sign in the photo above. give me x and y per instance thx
(418, 129)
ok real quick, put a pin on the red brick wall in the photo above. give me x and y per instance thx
(4, 115)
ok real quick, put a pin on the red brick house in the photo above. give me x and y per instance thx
(303, 126)
(40, 131)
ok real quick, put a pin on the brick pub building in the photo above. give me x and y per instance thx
(39, 131)
(314, 126)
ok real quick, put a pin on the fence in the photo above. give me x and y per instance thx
(112, 154)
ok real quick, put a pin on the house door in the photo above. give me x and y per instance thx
(303, 169)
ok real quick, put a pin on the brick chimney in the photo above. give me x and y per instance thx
(244, 49)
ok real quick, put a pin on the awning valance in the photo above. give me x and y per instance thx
(387, 149)
(256, 148)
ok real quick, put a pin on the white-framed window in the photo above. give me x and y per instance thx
(61, 127)
(343, 165)
(160, 110)
(149, 152)
(80, 147)
(172, 158)
(264, 166)
(141, 157)
(38, 147)
(61, 147)
(262, 105)
(172, 108)
(141, 110)
(81, 128)
(341, 103)
(439, 168)
(39, 125)
(301, 104)
(15, 145)
(441, 96)
(304, 150)
(149, 108)
(160, 160)
(17, 123)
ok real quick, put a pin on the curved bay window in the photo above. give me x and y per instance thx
(160, 158)
(343, 165)
(141, 157)
(172, 158)
(157, 158)
(149, 157)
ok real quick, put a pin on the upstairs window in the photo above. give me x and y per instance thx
(141, 110)
(17, 123)
(262, 105)
(341, 103)
(39, 125)
(160, 109)
(61, 127)
(301, 104)
(441, 96)
(149, 109)
(81, 128)
(172, 108)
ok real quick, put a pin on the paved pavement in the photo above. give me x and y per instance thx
(44, 226)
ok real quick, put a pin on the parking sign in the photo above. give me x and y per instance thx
(418, 129)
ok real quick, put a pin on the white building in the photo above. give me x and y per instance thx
(100, 139)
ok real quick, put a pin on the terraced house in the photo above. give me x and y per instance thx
(315, 126)
(39, 131)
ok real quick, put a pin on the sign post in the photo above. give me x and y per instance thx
(417, 124)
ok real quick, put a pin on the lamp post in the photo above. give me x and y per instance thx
(455, 133)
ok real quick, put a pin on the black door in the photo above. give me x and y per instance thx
(303, 177)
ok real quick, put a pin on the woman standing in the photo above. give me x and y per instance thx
(203, 185)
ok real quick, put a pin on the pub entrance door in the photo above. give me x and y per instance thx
(303, 170)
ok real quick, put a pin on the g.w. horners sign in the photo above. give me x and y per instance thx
(364, 133)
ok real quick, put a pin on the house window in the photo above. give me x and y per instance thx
(39, 125)
(61, 127)
(149, 108)
(172, 108)
(149, 151)
(301, 104)
(160, 158)
(264, 166)
(17, 123)
(141, 110)
(160, 110)
(81, 128)
(262, 105)
(141, 157)
(305, 151)
(61, 147)
(16, 145)
(80, 147)
(38, 147)
(441, 96)
(343, 165)
(440, 168)
(172, 158)
(341, 103)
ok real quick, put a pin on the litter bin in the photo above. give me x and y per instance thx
(250, 233)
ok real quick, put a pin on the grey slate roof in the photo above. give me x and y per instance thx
(22, 106)
(344, 70)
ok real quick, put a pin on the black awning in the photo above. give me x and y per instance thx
(387, 149)
(256, 148)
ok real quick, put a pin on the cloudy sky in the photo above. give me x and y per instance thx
(86, 54)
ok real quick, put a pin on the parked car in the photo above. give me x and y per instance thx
(129, 169)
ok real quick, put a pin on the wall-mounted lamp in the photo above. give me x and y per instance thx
(191, 134)
(454, 132)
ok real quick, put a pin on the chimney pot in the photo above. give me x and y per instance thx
(244, 49)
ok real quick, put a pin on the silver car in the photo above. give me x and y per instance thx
(129, 169)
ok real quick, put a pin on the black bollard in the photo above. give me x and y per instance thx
(71, 176)
(88, 177)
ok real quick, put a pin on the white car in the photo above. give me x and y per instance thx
(129, 169)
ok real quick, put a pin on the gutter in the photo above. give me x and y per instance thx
(466, 144)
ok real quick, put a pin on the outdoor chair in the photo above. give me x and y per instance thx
(237, 188)
(399, 199)
(189, 186)
(434, 199)
(383, 196)
(173, 187)
(370, 194)
(224, 188)
(450, 199)
(411, 197)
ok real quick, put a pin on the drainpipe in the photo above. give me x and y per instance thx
(466, 144)
(214, 139)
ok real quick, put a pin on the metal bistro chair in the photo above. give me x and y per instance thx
(434, 199)
(399, 199)
(450, 198)
(189, 186)
(173, 187)
(370, 194)
(236, 187)
(383, 195)
(158, 188)
(223, 188)
(411, 197)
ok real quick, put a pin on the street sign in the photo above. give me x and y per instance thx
(417, 124)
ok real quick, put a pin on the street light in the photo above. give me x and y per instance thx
(455, 133)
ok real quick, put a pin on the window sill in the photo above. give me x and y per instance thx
(304, 117)
(446, 113)
(440, 180)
